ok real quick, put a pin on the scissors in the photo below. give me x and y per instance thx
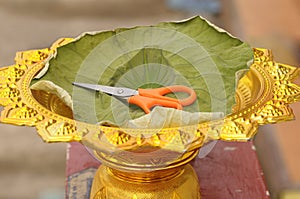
(146, 98)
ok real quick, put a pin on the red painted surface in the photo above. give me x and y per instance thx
(78, 159)
(229, 171)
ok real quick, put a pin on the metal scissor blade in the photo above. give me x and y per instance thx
(115, 91)
(93, 87)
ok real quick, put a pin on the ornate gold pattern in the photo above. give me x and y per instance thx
(262, 96)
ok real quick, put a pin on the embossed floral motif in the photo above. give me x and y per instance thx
(263, 96)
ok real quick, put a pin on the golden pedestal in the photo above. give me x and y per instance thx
(263, 96)
(175, 183)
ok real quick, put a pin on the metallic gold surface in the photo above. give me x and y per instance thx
(263, 96)
(181, 183)
(52, 103)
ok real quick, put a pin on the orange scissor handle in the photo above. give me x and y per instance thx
(146, 103)
(148, 98)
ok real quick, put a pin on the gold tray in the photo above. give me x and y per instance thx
(263, 96)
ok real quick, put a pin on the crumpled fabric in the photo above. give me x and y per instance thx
(162, 117)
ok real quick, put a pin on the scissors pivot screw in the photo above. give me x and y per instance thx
(120, 91)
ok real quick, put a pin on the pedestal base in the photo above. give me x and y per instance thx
(230, 171)
(178, 183)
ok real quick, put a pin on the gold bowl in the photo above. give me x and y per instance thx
(263, 96)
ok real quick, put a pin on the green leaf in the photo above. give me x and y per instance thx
(191, 53)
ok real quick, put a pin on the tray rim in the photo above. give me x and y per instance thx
(275, 84)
